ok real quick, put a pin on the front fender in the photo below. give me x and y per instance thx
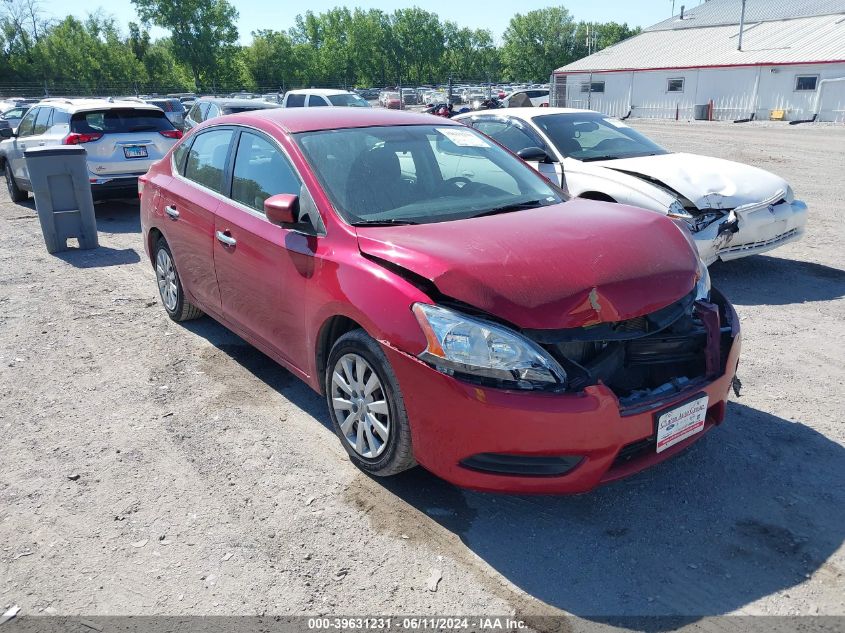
(582, 177)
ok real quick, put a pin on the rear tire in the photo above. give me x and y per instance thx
(366, 406)
(15, 193)
(170, 288)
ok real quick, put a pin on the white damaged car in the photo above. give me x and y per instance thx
(733, 210)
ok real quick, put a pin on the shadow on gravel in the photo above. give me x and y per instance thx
(753, 509)
(764, 280)
(118, 216)
(262, 367)
(99, 257)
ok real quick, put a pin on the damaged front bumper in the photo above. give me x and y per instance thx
(540, 442)
(758, 228)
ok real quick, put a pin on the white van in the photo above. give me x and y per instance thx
(316, 97)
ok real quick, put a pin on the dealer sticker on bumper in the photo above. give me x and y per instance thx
(680, 423)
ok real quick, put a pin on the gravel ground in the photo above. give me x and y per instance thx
(153, 468)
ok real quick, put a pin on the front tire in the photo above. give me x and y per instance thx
(170, 286)
(15, 193)
(366, 406)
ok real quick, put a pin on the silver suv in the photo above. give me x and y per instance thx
(122, 140)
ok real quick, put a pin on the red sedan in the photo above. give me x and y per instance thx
(454, 309)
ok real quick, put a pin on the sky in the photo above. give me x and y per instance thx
(488, 14)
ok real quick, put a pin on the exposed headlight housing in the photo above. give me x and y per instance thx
(703, 284)
(481, 351)
(789, 196)
(676, 210)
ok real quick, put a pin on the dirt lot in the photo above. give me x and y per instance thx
(153, 468)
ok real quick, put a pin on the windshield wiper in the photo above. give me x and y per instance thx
(390, 222)
(507, 208)
(590, 159)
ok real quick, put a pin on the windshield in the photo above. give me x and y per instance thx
(420, 174)
(353, 101)
(590, 137)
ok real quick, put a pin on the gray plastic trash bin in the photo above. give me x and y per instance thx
(59, 177)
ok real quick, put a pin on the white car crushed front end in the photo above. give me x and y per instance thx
(733, 210)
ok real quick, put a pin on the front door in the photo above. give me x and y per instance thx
(260, 265)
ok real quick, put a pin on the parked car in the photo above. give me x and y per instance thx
(14, 115)
(409, 96)
(733, 210)
(207, 108)
(536, 97)
(121, 138)
(173, 109)
(390, 99)
(430, 285)
(318, 97)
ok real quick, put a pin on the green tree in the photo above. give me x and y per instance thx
(203, 34)
(538, 42)
(417, 45)
(269, 59)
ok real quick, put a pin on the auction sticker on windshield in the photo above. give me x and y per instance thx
(679, 423)
(463, 137)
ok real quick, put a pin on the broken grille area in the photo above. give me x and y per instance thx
(649, 356)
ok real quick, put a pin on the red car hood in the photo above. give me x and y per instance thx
(563, 266)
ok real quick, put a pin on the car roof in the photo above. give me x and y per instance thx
(326, 92)
(293, 120)
(81, 105)
(528, 113)
(238, 103)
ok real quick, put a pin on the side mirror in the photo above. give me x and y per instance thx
(6, 132)
(534, 154)
(282, 209)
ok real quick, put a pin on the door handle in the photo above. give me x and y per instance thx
(226, 240)
(41, 144)
(172, 212)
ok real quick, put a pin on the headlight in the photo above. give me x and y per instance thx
(472, 348)
(702, 286)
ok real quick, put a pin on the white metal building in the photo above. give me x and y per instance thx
(790, 53)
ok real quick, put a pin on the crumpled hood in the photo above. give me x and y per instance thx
(570, 265)
(709, 183)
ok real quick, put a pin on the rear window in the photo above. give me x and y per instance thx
(119, 121)
(168, 105)
(239, 109)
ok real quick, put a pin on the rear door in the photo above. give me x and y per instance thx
(188, 204)
(130, 139)
(258, 264)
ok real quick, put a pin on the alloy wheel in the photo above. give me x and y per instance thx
(166, 277)
(360, 405)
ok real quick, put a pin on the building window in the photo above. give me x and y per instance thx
(675, 85)
(596, 86)
(806, 83)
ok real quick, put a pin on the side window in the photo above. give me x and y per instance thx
(675, 85)
(179, 157)
(507, 134)
(28, 123)
(316, 100)
(207, 159)
(60, 117)
(261, 171)
(295, 101)
(42, 121)
(195, 113)
(213, 111)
